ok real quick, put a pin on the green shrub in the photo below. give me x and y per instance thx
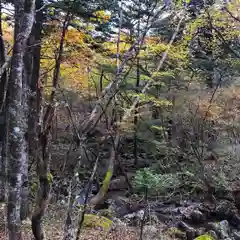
(154, 182)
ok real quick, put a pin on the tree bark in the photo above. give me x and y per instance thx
(35, 99)
(108, 176)
(18, 155)
(44, 129)
(44, 186)
(3, 122)
(27, 72)
(3, 74)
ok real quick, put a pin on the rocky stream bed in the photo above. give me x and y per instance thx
(184, 219)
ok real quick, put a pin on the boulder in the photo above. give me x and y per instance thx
(119, 183)
(213, 234)
(150, 232)
(197, 216)
(175, 232)
(121, 206)
(94, 221)
(191, 233)
(225, 209)
(235, 221)
(222, 229)
(134, 218)
(236, 235)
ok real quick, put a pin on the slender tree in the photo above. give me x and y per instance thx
(18, 153)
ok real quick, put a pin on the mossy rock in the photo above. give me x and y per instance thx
(204, 237)
(175, 232)
(108, 213)
(93, 221)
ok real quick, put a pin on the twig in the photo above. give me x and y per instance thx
(149, 84)
(231, 14)
(82, 213)
(144, 214)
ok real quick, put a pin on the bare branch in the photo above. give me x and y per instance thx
(150, 83)
(231, 14)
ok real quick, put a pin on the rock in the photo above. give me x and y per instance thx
(153, 218)
(163, 217)
(187, 211)
(150, 232)
(225, 209)
(222, 229)
(212, 234)
(197, 216)
(236, 194)
(236, 235)
(121, 206)
(117, 223)
(235, 221)
(119, 183)
(175, 232)
(191, 233)
(92, 221)
(134, 218)
(118, 206)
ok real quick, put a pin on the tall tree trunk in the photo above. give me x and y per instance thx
(44, 143)
(24, 17)
(3, 122)
(135, 146)
(4, 157)
(35, 99)
(26, 93)
(3, 75)
(44, 186)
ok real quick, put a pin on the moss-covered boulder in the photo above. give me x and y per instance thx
(95, 221)
(175, 232)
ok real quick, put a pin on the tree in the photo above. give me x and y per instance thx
(17, 109)
(134, 69)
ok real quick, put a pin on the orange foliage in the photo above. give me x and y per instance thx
(76, 56)
(74, 37)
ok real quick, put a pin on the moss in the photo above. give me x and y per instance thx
(175, 232)
(204, 237)
(50, 177)
(106, 181)
(34, 187)
(107, 213)
(92, 221)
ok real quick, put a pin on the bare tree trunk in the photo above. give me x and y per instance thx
(44, 188)
(69, 232)
(35, 89)
(135, 146)
(4, 158)
(3, 73)
(27, 74)
(44, 143)
(18, 155)
(3, 122)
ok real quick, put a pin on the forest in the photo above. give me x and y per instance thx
(119, 119)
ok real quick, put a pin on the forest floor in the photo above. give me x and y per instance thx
(53, 228)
